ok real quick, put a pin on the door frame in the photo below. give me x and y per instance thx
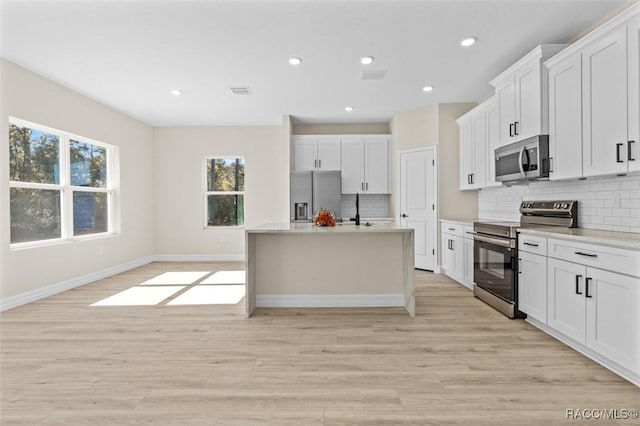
(397, 189)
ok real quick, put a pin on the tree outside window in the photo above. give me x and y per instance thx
(59, 184)
(224, 195)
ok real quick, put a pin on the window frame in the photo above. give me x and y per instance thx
(112, 188)
(206, 192)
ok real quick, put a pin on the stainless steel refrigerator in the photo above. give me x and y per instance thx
(313, 190)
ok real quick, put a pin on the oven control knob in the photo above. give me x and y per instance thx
(565, 205)
(530, 205)
(556, 206)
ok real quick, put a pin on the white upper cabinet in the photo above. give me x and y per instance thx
(521, 92)
(493, 141)
(604, 90)
(316, 153)
(565, 117)
(594, 102)
(365, 165)
(478, 139)
(633, 58)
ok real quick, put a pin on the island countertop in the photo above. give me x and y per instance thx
(340, 228)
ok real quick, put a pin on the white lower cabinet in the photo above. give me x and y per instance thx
(613, 319)
(532, 285)
(566, 299)
(453, 256)
(457, 251)
(598, 309)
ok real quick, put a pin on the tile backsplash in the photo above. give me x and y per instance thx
(371, 206)
(611, 203)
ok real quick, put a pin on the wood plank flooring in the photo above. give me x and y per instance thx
(64, 362)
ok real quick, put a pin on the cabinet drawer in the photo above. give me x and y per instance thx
(602, 257)
(453, 229)
(468, 231)
(532, 244)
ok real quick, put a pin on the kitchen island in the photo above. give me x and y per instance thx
(302, 265)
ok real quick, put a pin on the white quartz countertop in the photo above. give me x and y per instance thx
(626, 240)
(309, 228)
(460, 221)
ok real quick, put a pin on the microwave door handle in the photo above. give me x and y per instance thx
(520, 161)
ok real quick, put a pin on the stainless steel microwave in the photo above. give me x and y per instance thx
(524, 160)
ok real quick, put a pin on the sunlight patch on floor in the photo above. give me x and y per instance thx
(226, 277)
(139, 296)
(177, 278)
(210, 295)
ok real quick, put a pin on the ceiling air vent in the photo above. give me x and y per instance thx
(372, 74)
(241, 90)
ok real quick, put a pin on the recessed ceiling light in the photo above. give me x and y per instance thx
(468, 42)
(427, 88)
(176, 92)
(366, 60)
(348, 108)
(295, 61)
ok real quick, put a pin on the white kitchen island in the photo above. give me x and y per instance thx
(302, 265)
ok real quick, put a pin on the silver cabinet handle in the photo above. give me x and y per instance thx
(366, 186)
(320, 163)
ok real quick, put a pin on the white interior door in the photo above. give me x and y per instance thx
(417, 202)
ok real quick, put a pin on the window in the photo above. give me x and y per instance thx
(224, 193)
(61, 186)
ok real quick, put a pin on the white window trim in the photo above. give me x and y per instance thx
(66, 189)
(206, 193)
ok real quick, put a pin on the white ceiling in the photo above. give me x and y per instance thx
(129, 54)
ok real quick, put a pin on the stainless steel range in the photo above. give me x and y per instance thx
(495, 248)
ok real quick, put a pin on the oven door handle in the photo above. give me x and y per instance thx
(508, 243)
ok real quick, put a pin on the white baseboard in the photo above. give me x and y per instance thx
(329, 300)
(50, 290)
(608, 364)
(198, 258)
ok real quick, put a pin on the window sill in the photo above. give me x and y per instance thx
(60, 241)
(217, 228)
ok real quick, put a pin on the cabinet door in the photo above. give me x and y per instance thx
(305, 154)
(565, 118)
(613, 321)
(329, 154)
(478, 179)
(633, 60)
(532, 286)
(468, 262)
(528, 96)
(457, 243)
(466, 154)
(604, 104)
(447, 255)
(493, 141)
(376, 160)
(566, 300)
(352, 166)
(506, 96)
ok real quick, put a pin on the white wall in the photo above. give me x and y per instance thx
(611, 203)
(179, 153)
(30, 97)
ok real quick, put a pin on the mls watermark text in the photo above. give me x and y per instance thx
(601, 413)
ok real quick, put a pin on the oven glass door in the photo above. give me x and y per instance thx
(494, 269)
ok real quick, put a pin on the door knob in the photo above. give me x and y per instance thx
(404, 215)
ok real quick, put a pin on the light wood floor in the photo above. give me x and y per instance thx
(64, 362)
